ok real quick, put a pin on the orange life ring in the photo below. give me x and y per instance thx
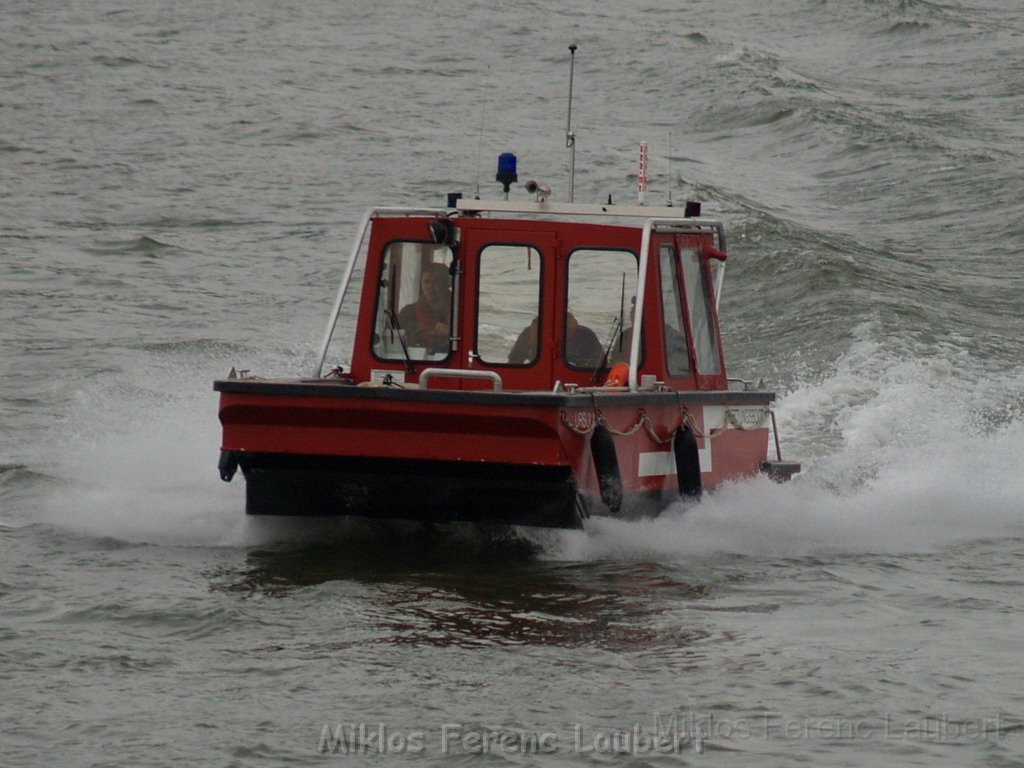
(618, 376)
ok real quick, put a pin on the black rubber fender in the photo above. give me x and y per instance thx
(687, 463)
(227, 465)
(606, 462)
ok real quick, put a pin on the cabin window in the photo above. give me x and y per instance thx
(677, 356)
(601, 287)
(509, 305)
(414, 303)
(699, 301)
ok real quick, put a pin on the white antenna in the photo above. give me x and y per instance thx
(479, 149)
(570, 134)
(671, 178)
(480, 139)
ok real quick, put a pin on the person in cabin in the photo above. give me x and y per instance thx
(623, 343)
(676, 354)
(427, 321)
(582, 347)
(525, 349)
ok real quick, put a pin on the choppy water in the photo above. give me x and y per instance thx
(180, 183)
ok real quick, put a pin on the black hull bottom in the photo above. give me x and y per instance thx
(402, 489)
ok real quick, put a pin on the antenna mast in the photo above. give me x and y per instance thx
(570, 134)
(671, 178)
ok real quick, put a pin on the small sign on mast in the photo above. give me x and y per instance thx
(641, 177)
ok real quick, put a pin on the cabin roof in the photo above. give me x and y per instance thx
(642, 212)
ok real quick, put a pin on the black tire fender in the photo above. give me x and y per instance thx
(606, 462)
(687, 463)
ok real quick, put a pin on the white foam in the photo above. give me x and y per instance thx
(904, 450)
(146, 474)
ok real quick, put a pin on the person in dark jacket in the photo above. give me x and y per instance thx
(427, 321)
(582, 347)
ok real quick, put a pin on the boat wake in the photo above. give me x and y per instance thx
(908, 459)
(916, 455)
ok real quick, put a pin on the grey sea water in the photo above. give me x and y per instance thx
(180, 183)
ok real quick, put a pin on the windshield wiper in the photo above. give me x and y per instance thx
(392, 320)
(603, 366)
(616, 331)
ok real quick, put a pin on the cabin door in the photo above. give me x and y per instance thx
(700, 310)
(508, 319)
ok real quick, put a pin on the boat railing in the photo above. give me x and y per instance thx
(601, 210)
(351, 266)
(459, 373)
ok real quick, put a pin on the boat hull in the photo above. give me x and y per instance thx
(404, 489)
(546, 459)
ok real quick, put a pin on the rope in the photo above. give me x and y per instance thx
(596, 417)
(686, 420)
(573, 428)
(630, 431)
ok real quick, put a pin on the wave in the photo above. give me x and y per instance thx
(901, 453)
(908, 28)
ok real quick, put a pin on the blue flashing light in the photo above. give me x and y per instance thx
(507, 163)
(507, 170)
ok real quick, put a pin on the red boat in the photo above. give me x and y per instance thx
(525, 363)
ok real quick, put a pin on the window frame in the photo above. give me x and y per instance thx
(681, 307)
(706, 293)
(382, 266)
(565, 305)
(540, 303)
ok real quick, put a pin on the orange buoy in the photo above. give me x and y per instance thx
(618, 376)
